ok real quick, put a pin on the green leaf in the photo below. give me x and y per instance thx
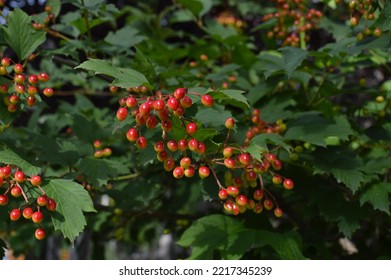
(379, 196)
(197, 7)
(233, 94)
(384, 20)
(55, 6)
(312, 128)
(293, 57)
(215, 116)
(99, 171)
(87, 130)
(124, 78)
(125, 37)
(20, 35)
(256, 151)
(263, 139)
(72, 200)
(8, 156)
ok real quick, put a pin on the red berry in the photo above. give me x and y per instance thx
(229, 163)
(159, 146)
(173, 103)
(228, 206)
(141, 142)
(245, 159)
(42, 200)
(258, 194)
(131, 102)
(97, 144)
(19, 176)
(122, 113)
(51, 205)
(19, 78)
(172, 145)
(193, 145)
(178, 172)
(191, 128)
(251, 176)
(20, 89)
(235, 209)
(201, 148)
(18, 68)
(27, 213)
(162, 156)
(228, 152)
(159, 105)
(288, 184)
(277, 164)
(169, 164)
(32, 90)
(180, 93)
(258, 208)
(271, 157)
(277, 179)
(207, 100)
(15, 215)
(166, 125)
(3, 199)
(163, 115)
(37, 217)
(36, 180)
(6, 62)
(230, 123)
(3, 89)
(43, 77)
(268, 204)
(182, 145)
(145, 109)
(40, 233)
(151, 122)
(132, 135)
(48, 92)
(233, 191)
(223, 194)
(204, 172)
(16, 191)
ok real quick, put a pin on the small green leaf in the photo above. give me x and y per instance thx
(55, 6)
(125, 37)
(20, 35)
(293, 58)
(8, 156)
(379, 196)
(263, 139)
(233, 94)
(124, 77)
(256, 151)
(215, 116)
(72, 200)
(197, 7)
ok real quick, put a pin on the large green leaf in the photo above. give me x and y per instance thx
(72, 200)
(313, 128)
(125, 37)
(124, 77)
(232, 239)
(293, 57)
(8, 156)
(215, 116)
(379, 196)
(20, 35)
(232, 95)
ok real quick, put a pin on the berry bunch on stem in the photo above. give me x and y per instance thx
(34, 201)
(245, 173)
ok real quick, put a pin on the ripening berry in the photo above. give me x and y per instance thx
(151, 122)
(159, 105)
(122, 114)
(32, 90)
(232, 191)
(223, 194)
(178, 172)
(37, 217)
(204, 172)
(288, 184)
(229, 163)
(36, 180)
(245, 159)
(186, 102)
(278, 212)
(258, 194)
(132, 135)
(16, 191)
(42, 200)
(277, 179)
(182, 145)
(201, 148)
(189, 172)
(18, 68)
(169, 164)
(131, 102)
(228, 152)
(51, 205)
(48, 92)
(3, 199)
(43, 77)
(5, 61)
(141, 142)
(113, 89)
(185, 162)
(191, 128)
(173, 103)
(19, 176)
(145, 109)
(40, 233)
(180, 93)
(15, 215)
(230, 123)
(193, 145)
(241, 200)
(268, 204)
(27, 213)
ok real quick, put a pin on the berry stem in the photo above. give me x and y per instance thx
(215, 176)
(23, 193)
(126, 177)
(261, 182)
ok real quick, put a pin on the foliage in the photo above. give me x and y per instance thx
(313, 90)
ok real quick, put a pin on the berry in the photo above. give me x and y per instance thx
(48, 92)
(97, 144)
(241, 200)
(141, 142)
(277, 179)
(131, 102)
(42, 200)
(271, 157)
(3, 199)
(245, 159)
(36, 180)
(173, 103)
(277, 164)
(122, 113)
(228, 206)
(3, 89)
(15, 215)
(235, 209)
(191, 128)
(178, 172)
(51, 205)
(18, 68)
(19, 176)
(268, 204)
(278, 212)
(159, 146)
(172, 145)
(189, 172)
(37, 217)
(145, 109)
(258, 208)
(230, 123)
(186, 102)
(151, 122)
(185, 162)
(98, 154)
(204, 172)
(182, 145)
(193, 145)
(159, 105)
(180, 93)
(16, 191)
(232, 191)
(5, 62)
(43, 77)
(207, 100)
(169, 164)
(258, 194)
(166, 125)
(288, 184)
(229, 163)
(19, 78)
(201, 148)
(27, 213)
(113, 89)
(228, 152)
(40, 233)
(20, 89)
(132, 135)
(32, 90)
(223, 194)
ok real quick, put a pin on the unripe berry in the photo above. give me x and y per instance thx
(186, 102)
(258, 194)
(245, 159)
(228, 152)
(20, 89)
(278, 212)
(277, 179)
(230, 123)
(241, 200)
(18, 68)
(32, 90)
(185, 162)
(207, 100)
(268, 204)
(113, 89)
(5, 61)
(19, 78)
(258, 208)
(189, 172)
(3, 89)
(193, 145)
(204, 172)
